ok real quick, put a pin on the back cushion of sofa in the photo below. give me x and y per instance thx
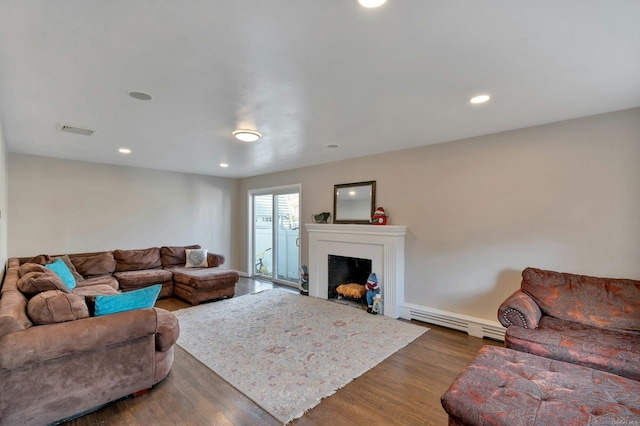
(41, 259)
(137, 260)
(94, 264)
(600, 302)
(175, 256)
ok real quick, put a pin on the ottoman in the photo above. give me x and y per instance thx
(506, 387)
(196, 285)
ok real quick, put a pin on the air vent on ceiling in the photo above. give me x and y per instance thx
(77, 130)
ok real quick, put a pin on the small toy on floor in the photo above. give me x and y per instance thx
(377, 305)
(373, 290)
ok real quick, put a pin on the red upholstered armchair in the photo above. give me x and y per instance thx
(575, 318)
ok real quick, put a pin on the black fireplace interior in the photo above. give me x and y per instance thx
(344, 270)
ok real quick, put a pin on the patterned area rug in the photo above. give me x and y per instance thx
(286, 351)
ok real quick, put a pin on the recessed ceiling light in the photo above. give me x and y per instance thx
(480, 99)
(332, 145)
(141, 96)
(224, 165)
(124, 151)
(247, 135)
(372, 3)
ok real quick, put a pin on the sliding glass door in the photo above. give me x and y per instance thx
(276, 233)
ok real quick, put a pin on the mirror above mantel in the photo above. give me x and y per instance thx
(354, 202)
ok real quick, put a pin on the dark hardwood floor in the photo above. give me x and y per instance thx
(404, 389)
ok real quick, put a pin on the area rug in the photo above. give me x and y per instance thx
(286, 351)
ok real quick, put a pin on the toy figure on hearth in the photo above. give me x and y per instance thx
(373, 290)
(379, 217)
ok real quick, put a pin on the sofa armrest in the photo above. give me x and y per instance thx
(519, 310)
(214, 260)
(44, 342)
(168, 330)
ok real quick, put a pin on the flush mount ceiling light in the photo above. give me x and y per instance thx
(480, 99)
(141, 96)
(247, 135)
(224, 165)
(371, 3)
(124, 151)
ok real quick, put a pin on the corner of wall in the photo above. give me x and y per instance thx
(4, 201)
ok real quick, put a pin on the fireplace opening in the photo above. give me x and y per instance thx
(345, 270)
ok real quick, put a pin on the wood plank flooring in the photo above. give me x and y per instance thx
(404, 389)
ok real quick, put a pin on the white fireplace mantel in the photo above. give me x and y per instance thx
(383, 244)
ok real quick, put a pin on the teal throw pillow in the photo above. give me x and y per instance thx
(63, 272)
(136, 299)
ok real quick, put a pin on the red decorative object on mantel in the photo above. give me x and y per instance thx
(379, 217)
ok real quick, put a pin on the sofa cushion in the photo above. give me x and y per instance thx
(94, 264)
(95, 290)
(41, 259)
(613, 351)
(63, 272)
(99, 280)
(54, 306)
(13, 312)
(174, 256)
(196, 258)
(67, 261)
(37, 282)
(138, 279)
(129, 301)
(204, 278)
(137, 260)
(601, 302)
(25, 268)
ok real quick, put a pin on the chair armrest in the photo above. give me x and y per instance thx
(519, 310)
(44, 342)
(214, 260)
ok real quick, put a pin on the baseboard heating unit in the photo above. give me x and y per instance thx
(476, 327)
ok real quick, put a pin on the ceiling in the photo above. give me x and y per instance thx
(304, 73)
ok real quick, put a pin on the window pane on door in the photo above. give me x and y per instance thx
(263, 234)
(287, 236)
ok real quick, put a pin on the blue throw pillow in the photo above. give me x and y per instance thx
(63, 272)
(136, 299)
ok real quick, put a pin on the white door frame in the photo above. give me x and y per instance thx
(272, 190)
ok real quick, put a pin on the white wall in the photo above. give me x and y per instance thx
(4, 202)
(564, 196)
(63, 206)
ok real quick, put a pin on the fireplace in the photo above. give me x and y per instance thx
(346, 270)
(383, 245)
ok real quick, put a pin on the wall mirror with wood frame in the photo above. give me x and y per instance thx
(354, 202)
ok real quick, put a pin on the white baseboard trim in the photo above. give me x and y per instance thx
(243, 274)
(476, 327)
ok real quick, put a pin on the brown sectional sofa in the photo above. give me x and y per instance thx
(127, 270)
(53, 371)
(58, 370)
